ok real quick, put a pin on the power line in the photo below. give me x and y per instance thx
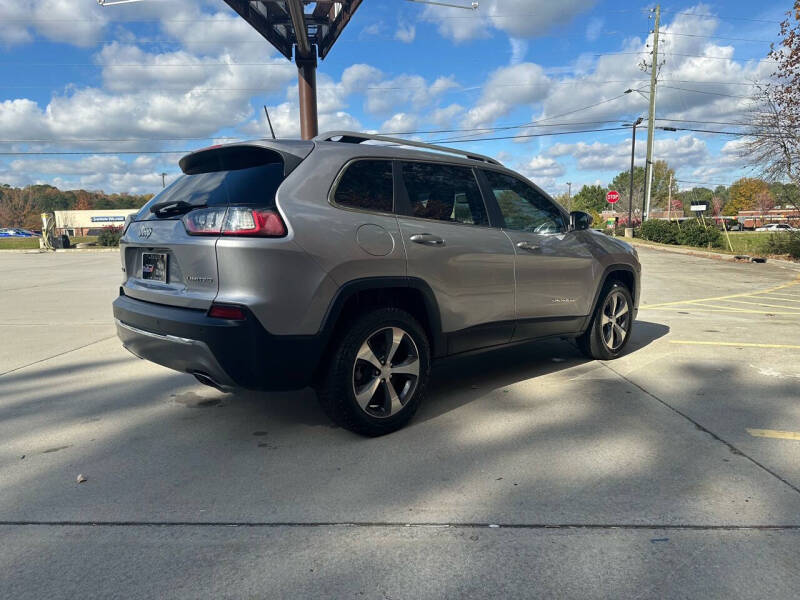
(716, 37)
(672, 87)
(690, 56)
(526, 135)
(717, 18)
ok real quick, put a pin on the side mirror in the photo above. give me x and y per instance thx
(578, 220)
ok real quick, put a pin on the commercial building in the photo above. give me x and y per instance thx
(89, 222)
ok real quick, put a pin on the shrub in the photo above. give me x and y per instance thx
(664, 232)
(783, 243)
(693, 233)
(110, 236)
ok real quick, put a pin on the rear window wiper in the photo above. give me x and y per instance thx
(172, 207)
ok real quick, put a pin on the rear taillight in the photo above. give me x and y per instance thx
(234, 220)
(221, 311)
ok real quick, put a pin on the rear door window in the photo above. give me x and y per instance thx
(366, 185)
(444, 193)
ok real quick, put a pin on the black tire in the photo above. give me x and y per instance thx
(593, 343)
(337, 389)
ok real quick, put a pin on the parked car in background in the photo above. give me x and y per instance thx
(16, 232)
(777, 227)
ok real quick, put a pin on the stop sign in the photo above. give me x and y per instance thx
(612, 197)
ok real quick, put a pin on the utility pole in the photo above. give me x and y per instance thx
(651, 117)
(629, 228)
(569, 196)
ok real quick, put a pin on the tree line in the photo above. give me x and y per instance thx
(747, 193)
(22, 207)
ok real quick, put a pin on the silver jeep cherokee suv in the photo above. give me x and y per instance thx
(351, 266)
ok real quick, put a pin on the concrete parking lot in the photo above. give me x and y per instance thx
(671, 472)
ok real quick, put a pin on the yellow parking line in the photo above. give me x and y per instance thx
(773, 433)
(744, 294)
(744, 310)
(789, 297)
(780, 298)
(765, 304)
(735, 344)
(706, 308)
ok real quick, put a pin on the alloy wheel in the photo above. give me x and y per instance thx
(615, 320)
(386, 372)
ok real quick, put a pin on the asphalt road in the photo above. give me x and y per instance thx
(672, 472)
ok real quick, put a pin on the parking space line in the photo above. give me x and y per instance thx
(773, 433)
(722, 309)
(782, 298)
(734, 344)
(742, 295)
(797, 308)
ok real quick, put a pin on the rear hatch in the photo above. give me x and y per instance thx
(169, 248)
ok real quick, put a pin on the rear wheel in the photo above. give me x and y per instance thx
(611, 324)
(378, 373)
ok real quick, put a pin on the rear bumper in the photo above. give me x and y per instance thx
(232, 354)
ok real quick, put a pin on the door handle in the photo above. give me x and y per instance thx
(427, 239)
(527, 246)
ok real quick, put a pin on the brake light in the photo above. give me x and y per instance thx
(220, 311)
(234, 220)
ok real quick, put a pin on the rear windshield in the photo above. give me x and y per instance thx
(254, 186)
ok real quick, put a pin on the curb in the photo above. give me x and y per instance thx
(707, 254)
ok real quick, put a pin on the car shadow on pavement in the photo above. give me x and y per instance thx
(455, 381)
(458, 380)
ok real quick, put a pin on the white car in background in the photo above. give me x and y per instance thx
(777, 227)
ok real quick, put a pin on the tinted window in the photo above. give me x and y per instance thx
(255, 186)
(523, 207)
(367, 184)
(444, 193)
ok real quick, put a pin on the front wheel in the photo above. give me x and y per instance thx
(611, 324)
(378, 373)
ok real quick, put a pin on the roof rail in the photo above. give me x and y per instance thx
(353, 137)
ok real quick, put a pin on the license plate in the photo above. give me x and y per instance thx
(154, 267)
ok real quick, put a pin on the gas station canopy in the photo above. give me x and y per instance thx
(285, 24)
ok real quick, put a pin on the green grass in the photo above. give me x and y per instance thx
(751, 243)
(747, 242)
(33, 243)
(19, 243)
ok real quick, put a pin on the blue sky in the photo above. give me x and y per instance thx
(173, 75)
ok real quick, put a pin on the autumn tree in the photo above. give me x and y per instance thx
(773, 142)
(18, 209)
(82, 200)
(743, 193)
(717, 203)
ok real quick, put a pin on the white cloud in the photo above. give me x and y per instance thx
(594, 28)
(505, 89)
(678, 152)
(445, 117)
(517, 18)
(542, 166)
(401, 122)
(405, 33)
(519, 48)
(413, 90)
(76, 23)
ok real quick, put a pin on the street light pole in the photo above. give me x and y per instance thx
(630, 189)
(569, 196)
